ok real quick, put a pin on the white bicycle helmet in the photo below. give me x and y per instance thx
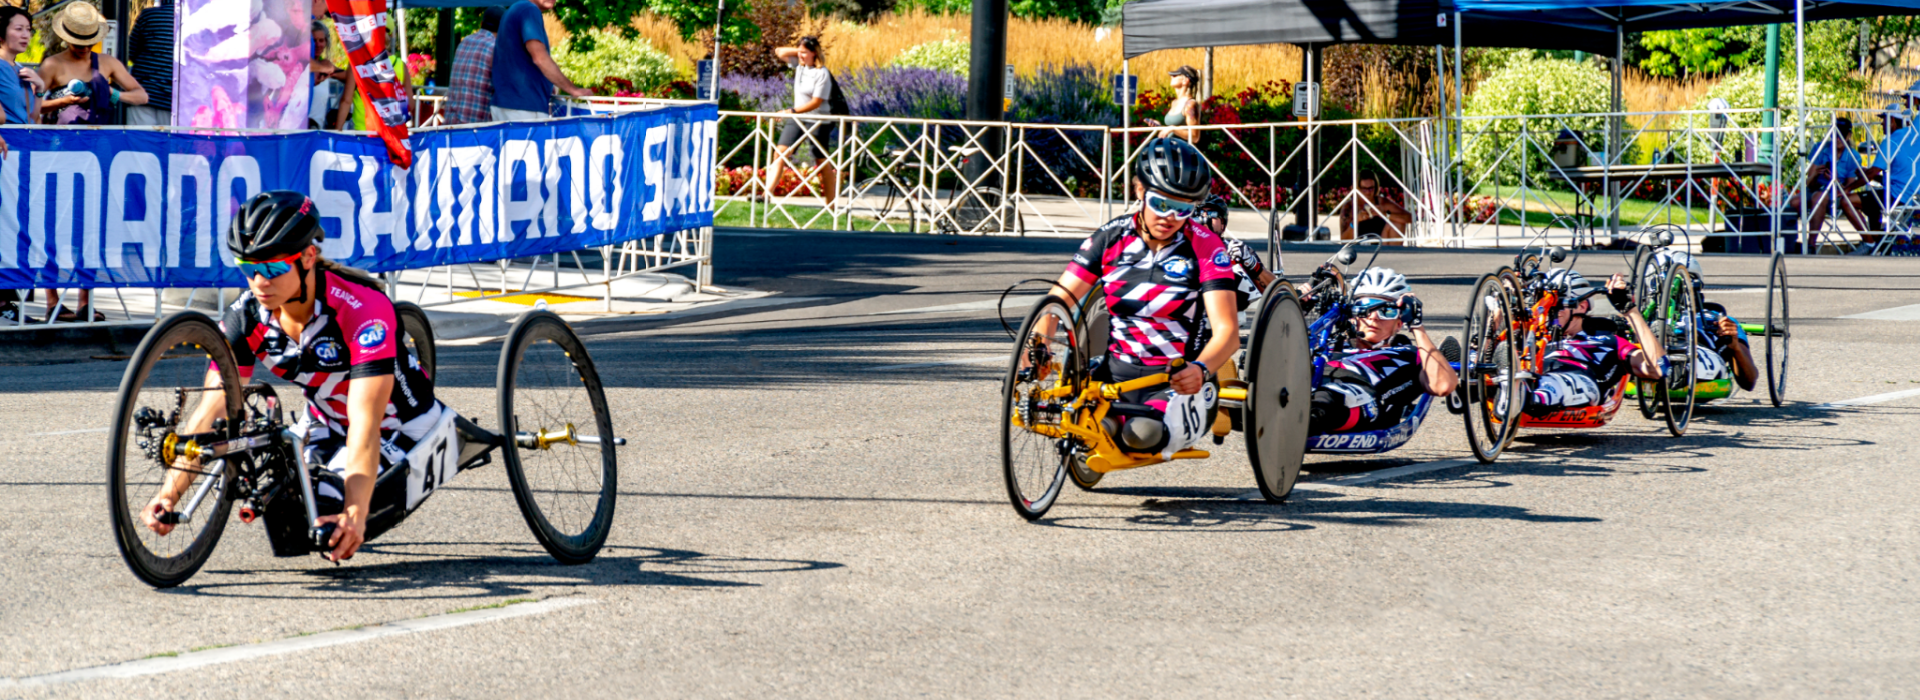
(1667, 258)
(1381, 282)
(1576, 285)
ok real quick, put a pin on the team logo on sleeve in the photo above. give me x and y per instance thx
(1220, 258)
(1177, 269)
(371, 334)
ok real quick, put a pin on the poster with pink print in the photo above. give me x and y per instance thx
(242, 64)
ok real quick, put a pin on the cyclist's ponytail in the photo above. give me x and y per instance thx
(355, 275)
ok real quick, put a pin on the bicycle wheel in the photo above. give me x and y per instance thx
(559, 453)
(1093, 332)
(1679, 318)
(1279, 393)
(1779, 331)
(416, 335)
(1485, 372)
(1047, 357)
(164, 387)
(1637, 276)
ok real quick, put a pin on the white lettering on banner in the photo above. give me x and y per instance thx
(699, 169)
(233, 169)
(10, 212)
(374, 224)
(527, 154)
(423, 173)
(569, 148)
(471, 165)
(179, 167)
(652, 156)
(332, 204)
(145, 231)
(605, 210)
(64, 206)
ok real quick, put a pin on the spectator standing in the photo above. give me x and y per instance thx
(470, 92)
(17, 96)
(104, 81)
(813, 89)
(150, 47)
(1184, 110)
(524, 74)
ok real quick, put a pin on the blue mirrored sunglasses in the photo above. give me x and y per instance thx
(1163, 206)
(268, 270)
(1387, 309)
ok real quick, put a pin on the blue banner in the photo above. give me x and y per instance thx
(123, 208)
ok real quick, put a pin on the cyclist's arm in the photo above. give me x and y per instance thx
(1645, 360)
(1744, 370)
(212, 402)
(1223, 313)
(367, 399)
(1436, 376)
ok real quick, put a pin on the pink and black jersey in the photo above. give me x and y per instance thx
(1153, 296)
(1601, 356)
(353, 334)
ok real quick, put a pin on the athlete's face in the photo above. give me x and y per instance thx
(1374, 330)
(1566, 314)
(274, 292)
(1163, 226)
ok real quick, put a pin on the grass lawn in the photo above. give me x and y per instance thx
(1543, 204)
(743, 214)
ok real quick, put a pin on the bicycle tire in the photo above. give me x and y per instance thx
(1279, 393)
(173, 356)
(416, 335)
(1093, 328)
(1489, 430)
(1779, 331)
(1033, 465)
(1679, 307)
(537, 421)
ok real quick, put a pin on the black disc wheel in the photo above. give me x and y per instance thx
(1676, 323)
(1045, 374)
(1779, 331)
(416, 335)
(1279, 393)
(559, 449)
(1486, 377)
(181, 391)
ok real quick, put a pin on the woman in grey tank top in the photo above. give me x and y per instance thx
(1184, 110)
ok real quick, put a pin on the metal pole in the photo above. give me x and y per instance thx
(1771, 99)
(401, 12)
(1800, 126)
(1456, 153)
(1206, 82)
(986, 83)
(719, 20)
(1126, 106)
(1616, 133)
(1313, 206)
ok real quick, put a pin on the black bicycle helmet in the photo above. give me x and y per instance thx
(1174, 167)
(274, 224)
(1215, 207)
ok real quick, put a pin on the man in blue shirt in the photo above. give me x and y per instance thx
(1834, 169)
(524, 74)
(1895, 162)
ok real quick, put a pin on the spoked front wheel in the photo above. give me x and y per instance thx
(1486, 376)
(1779, 331)
(1676, 323)
(559, 449)
(1046, 373)
(182, 371)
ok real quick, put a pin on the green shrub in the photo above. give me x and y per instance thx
(950, 54)
(1747, 90)
(590, 58)
(1526, 86)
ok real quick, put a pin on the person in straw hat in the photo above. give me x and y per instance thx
(104, 80)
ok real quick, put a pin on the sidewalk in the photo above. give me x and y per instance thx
(481, 320)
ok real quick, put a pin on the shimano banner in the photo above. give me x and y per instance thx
(111, 208)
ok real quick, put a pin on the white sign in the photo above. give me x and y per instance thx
(1306, 100)
(1009, 88)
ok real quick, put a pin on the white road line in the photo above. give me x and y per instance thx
(968, 361)
(980, 305)
(69, 432)
(1876, 398)
(1898, 313)
(1741, 290)
(1364, 478)
(210, 657)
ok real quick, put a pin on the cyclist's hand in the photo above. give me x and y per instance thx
(1616, 282)
(1727, 328)
(151, 516)
(350, 531)
(1410, 311)
(1188, 380)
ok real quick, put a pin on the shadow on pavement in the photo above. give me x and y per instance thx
(427, 565)
(1304, 510)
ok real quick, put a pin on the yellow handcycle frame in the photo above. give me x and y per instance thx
(1082, 419)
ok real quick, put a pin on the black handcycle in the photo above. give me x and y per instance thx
(556, 439)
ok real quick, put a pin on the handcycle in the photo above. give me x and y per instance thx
(1674, 295)
(556, 439)
(1053, 414)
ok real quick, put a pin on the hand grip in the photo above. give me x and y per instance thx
(321, 536)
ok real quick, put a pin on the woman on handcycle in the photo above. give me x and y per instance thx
(1365, 384)
(1580, 368)
(331, 330)
(1160, 271)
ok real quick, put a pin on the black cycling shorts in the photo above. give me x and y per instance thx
(821, 135)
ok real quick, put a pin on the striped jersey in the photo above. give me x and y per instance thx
(353, 335)
(1154, 296)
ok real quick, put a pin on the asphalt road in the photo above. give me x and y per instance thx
(812, 506)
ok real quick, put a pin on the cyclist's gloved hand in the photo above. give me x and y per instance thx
(1410, 311)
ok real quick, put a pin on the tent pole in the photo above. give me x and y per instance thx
(1206, 82)
(1456, 152)
(1312, 72)
(1616, 136)
(400, 12)
(719, 20)
(1800, 127)
(1126, 108)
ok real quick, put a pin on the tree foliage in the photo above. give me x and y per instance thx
(1686, 53)
(694, 18)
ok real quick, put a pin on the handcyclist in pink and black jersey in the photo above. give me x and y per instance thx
(331, 330)
(1161, 273)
